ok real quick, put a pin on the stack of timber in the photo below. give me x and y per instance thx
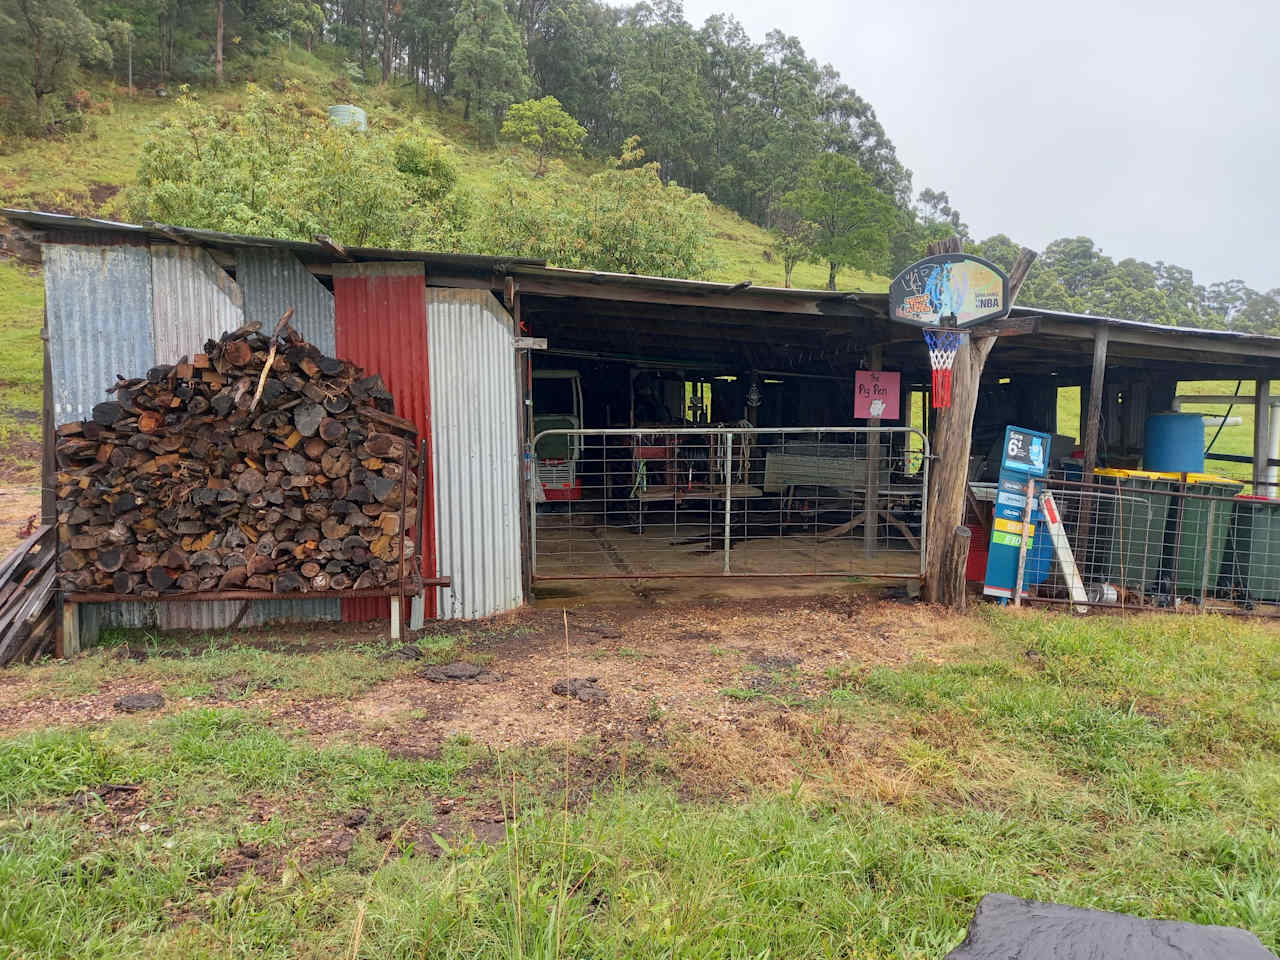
(28, 624)
(258, 466)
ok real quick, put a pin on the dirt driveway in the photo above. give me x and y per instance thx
(641, 671)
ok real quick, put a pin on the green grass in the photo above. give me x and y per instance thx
(21, 354)
(1128, 764)
(219, 665)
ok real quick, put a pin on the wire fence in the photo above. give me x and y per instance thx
(849, 502)
(1141, 540)
(729, 501)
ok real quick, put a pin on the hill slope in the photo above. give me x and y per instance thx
(86, 172)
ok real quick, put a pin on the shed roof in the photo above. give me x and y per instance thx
(595, 290)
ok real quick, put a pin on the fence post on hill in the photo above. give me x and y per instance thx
(951, 442)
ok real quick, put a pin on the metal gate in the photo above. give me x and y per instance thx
(729, 502)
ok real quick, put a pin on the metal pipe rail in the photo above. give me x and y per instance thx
(737, 501)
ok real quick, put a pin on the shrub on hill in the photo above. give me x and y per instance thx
(275, 171)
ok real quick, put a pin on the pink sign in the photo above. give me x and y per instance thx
(876, 394)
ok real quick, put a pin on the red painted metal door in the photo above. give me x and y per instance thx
(380, 313)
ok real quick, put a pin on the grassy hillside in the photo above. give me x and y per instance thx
(85, 173)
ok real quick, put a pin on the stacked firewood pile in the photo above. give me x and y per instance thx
(259, 465)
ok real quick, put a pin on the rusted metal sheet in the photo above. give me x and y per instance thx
(476, 452)
(381, 324)
(273, 281)
(195, 300)
(98, 302)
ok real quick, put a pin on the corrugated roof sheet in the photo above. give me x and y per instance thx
(314, 251)
(534, 269)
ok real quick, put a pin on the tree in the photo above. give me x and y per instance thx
(574, 53)
(661, 94)
(217, 43)
(543, 127)
(794, 238)
(852, 219)
(939, 218)
(488, 63)
(45, 41)
(626, 220)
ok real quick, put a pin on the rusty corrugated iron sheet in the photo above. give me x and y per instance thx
(98, 303)
(381, 324)
(476, 448)
(273, 281)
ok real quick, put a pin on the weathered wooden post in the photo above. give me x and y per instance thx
(951, 443)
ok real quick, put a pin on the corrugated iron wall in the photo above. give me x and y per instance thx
(380, 313)
(195, 300)
(98, 303)
(476, 452)
(273, 281)
(98, 308)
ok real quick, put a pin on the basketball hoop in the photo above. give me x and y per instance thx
(943, 344)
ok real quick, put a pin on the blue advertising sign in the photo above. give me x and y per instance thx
(1026, 455)
(1025, 451)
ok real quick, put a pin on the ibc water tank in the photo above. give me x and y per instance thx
(1174, 443)
(346, 115)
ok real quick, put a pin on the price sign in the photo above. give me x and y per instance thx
(1026, 451)
(1026, 455)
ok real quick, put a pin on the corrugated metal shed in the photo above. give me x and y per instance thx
(273, 281)
(476, 452)
(99, 306)
(195, 300)
(380, 311)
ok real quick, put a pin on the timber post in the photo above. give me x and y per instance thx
(1262, 439)
(951, 444)
(1092, 424)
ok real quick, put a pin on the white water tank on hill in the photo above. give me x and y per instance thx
(347, 115)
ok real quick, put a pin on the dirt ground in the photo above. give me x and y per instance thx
(19, 510)
(696, 666)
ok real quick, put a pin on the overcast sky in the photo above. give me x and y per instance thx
(1153, 128)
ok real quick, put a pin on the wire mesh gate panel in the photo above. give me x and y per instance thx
(733, 501)
(1162, 541)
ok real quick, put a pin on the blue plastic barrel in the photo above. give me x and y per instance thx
(1174, 443)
